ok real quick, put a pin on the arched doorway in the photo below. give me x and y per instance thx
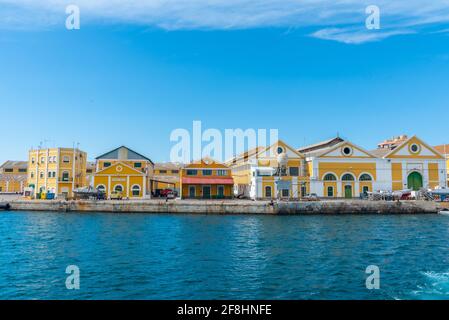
(415, 181)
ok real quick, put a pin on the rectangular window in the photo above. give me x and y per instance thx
(9, 170)
(207, 172)
(175, 171)
(137, 165)
(162, 171)
(66, 159)
(22, 170)
(285, 192)
(41, 175)
(32, 175)
(42, 160)
(222, 173)
(32, 160)
(106, 164)
(89, 171)
(294, 171)
(192, 172)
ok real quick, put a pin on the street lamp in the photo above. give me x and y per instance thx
(282, 159)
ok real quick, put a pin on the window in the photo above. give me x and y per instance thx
(137, 165)
(330, 191)
(54, 174)
(347, 151)
(222, 173)
(22, 170)
(101, 188)
(135, 190)
(89, 171)
(32, 160)
(106, 164)
(42, 160)
(9, 170)
(118, 188)
(280, 150)
(414, 148)
(162, 171)
(285, 192)
(49, 174)
(41, 175)
(192, 172)
(66, 159)
(347, 177)
(207, 172)
(32, 175)
(65, 176)
(175, 171)
(365, 177)
(294, 171)
(365, 189)
(330, 177)
(268, 192)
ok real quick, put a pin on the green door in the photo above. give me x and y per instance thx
(220, 192)
(348, 191)
(206, 192)
(414, 181)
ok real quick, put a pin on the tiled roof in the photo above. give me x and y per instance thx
(14, 164)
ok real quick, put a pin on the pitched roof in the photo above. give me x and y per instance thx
(380, 152)
(14, 164)
(168, 166)
(130, 155)
(443, 149)
(320, 145)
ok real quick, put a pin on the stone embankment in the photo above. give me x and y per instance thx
(231, 206)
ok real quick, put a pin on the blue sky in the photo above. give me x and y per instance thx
(130, 78)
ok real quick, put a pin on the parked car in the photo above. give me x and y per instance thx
(311, 197)
(115, 195)
(166, 192)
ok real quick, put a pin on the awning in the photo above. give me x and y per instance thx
(207, 181)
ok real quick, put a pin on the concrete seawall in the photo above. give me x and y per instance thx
(231, 207)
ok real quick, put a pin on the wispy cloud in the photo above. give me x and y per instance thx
(339, 20)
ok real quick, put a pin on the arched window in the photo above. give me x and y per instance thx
(135, 190)
(101, 188)
(268, 192)
(118, 188)
(365, 177)
(347, 177)
(330, 177)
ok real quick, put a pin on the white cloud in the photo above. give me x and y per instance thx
(340, 20)
(356, 36)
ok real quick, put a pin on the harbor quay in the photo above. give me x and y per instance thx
(231, 207)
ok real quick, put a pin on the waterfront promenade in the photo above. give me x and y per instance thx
(230, 206)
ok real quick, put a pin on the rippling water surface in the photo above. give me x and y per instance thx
(142, 256)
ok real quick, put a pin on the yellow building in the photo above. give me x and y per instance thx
(166, 176)
(206, 179)
(56, 171)
(339, 168)
(444, 150)
(342, 169)
(413, 164)
(124, 170)
(277, 171)
(13, 176)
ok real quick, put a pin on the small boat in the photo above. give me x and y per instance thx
(4, 206)
(445, 211)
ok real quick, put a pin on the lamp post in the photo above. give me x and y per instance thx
(282, 159)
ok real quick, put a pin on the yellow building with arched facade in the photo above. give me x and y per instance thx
(125, 171)
(339, 168)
